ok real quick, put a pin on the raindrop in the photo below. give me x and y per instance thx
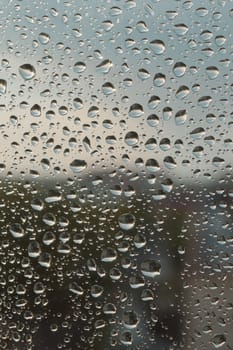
(27, 71)
(218, 341)
(78, 165)
(158, 46)
(75, 288)
(181, 117)
(3, 86)
(212, 72)
(108, 255)
(159, 80)
(130, 319)
(44, 38)
(179, 69)
(136, 111)
(143, 74)
(104, 67)
(152, 165)
(79, 67)
(16, 230)
(150, 268)
(131, 138)
(126, 221)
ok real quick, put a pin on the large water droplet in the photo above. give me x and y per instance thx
(27, 71)
(150, 268)
(130, 319)
(16, 230)
(126, 221)
(158, 46)
(136, 111)
(78, 165)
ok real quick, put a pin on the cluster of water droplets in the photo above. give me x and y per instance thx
(116, 122)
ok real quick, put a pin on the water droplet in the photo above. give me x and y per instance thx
(159, 80)
(49, 219)
(96, 290)
(212, 72)
(181, 117)
(3, 86)
(34, 249)
(130, 319)
(16, 230)
(182, 92)
(27, 71)
(36, 110)
(218, 341)
(158, 46)
(204, 101)
(104, 67)
(126, 338)
(75, 288)
(79, 67)
(153, 120)
(150, 268)
(45, 259)
(152, 165)
(78, 103)
(126, 221)
(131, 138)
(179, 69)
(153, 102)
(108, 255)
(136, 111)
(78, 165)
(169, 162)
(44, 38)
(181, 29)
(143, 74)
(108, 88)
(142, 27)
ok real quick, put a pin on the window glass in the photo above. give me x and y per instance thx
(115, 174)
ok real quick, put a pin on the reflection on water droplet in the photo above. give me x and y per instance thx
(159, 79)
(152, 165)
(179, 69)
(126, 221)
(108, 255)
(181, 29)
(212, 72)
(150, 268)
(27, 71)
(78, 165)
(169, 162)
(143, 74)
(16, 230)
(3, 86)
(130, 319)
(181, 117)
(131, 138)
(136, 111)
(158, 47)
(44, 38)
(104, 67)
(75, 288)
(126, 338)
(79, 67)
(218, 341)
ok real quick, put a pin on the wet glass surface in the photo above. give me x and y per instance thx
(116, 175)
